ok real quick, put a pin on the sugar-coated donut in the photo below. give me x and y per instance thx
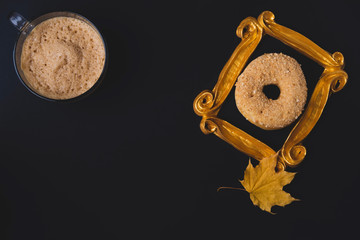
(271, 69)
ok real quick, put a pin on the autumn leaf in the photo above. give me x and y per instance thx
(265, 185)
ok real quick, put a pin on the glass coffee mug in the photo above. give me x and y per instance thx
(25, 27)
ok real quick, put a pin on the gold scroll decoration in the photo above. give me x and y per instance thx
(208, 103)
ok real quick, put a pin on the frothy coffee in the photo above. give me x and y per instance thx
(62, 58)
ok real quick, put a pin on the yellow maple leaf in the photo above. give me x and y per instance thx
(265, 185)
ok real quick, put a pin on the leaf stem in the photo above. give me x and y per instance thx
(233, 188)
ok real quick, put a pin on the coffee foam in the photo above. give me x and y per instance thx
(62, 58)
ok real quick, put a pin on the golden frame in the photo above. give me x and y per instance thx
(208, 103)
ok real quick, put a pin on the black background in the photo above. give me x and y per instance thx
(130, 160)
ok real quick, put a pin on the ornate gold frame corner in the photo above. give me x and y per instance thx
(208, 103)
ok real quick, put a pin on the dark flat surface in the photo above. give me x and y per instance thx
(130, 160)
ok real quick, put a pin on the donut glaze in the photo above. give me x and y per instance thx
(271, 69)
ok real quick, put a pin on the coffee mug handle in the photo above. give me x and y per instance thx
(18, 21)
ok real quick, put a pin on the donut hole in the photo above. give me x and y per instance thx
(271, 91)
